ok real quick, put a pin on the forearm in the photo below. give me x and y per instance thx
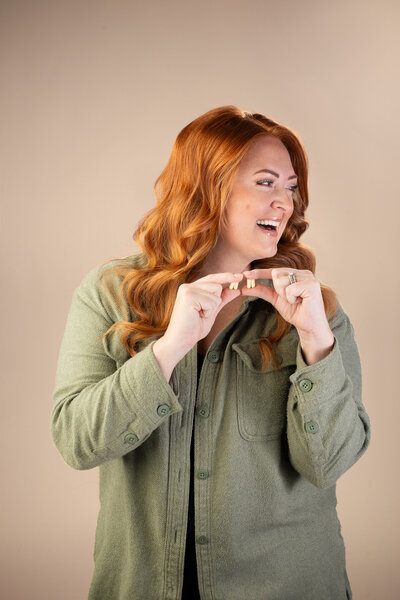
(106, 404)
(92, 423)
(328, 428)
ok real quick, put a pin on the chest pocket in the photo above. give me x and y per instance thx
(262, 395)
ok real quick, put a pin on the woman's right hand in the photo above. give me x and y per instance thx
(196, 307)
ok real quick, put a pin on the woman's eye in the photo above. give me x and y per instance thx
(264, 181)
(292, 188)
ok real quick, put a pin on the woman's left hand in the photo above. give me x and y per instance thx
(299, 303)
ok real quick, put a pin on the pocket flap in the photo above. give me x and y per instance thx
(285, 351)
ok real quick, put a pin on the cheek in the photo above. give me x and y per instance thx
(290, 211)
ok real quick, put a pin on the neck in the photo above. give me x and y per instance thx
(217, 263)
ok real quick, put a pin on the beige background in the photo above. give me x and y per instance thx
(93, 95)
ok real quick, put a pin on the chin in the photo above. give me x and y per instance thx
(267, 253)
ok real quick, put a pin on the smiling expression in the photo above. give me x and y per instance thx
(263, 189)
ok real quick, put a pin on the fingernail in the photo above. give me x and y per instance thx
(237, 274)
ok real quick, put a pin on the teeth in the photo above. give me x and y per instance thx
(251, 283)
(267, 222)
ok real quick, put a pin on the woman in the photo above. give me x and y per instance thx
(224, 413)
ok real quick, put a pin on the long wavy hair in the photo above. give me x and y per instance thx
(177, 234)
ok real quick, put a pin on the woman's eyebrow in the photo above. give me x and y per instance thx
(273, 173)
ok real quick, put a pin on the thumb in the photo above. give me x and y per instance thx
(262, 291)
(226, 296)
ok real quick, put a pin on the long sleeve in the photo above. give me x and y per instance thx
(102, 411)
(328, 428)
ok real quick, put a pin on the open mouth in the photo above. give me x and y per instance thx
(268, 225)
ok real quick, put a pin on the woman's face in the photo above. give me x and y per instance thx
(258, 195)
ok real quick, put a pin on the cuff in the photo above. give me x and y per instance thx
(154, 399)
(317, 383)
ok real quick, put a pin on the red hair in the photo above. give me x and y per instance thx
(180, 230)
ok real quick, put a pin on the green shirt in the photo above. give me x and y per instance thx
(269, 448)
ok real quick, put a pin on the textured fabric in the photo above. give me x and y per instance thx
(273, 445)
(190, 590)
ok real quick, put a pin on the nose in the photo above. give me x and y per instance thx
(282, 197)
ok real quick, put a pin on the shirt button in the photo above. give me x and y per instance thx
(202, 539)
(213, 356)
(130, 438)
(203, 411)
(305, 385)
(311, 427)
(163, 409)
(202, 474)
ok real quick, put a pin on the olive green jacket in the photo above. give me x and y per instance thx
(269, 448)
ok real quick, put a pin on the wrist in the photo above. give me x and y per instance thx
(164, 358)
(171, 347)
(316, 347)
(167, 355)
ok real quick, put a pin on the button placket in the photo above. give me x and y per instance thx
(202, 539)
(305, 385)
(131, 438)
(203, 411)
(163, 410)
(311, 427)
(213, 356)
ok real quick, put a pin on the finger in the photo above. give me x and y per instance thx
(258, 274)
(204, 301)
(208, 285)
(278, 272)
(262, 291)
(221, 277)
(267, 274)
(227, 296)
(292, 295)
(297, 291)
